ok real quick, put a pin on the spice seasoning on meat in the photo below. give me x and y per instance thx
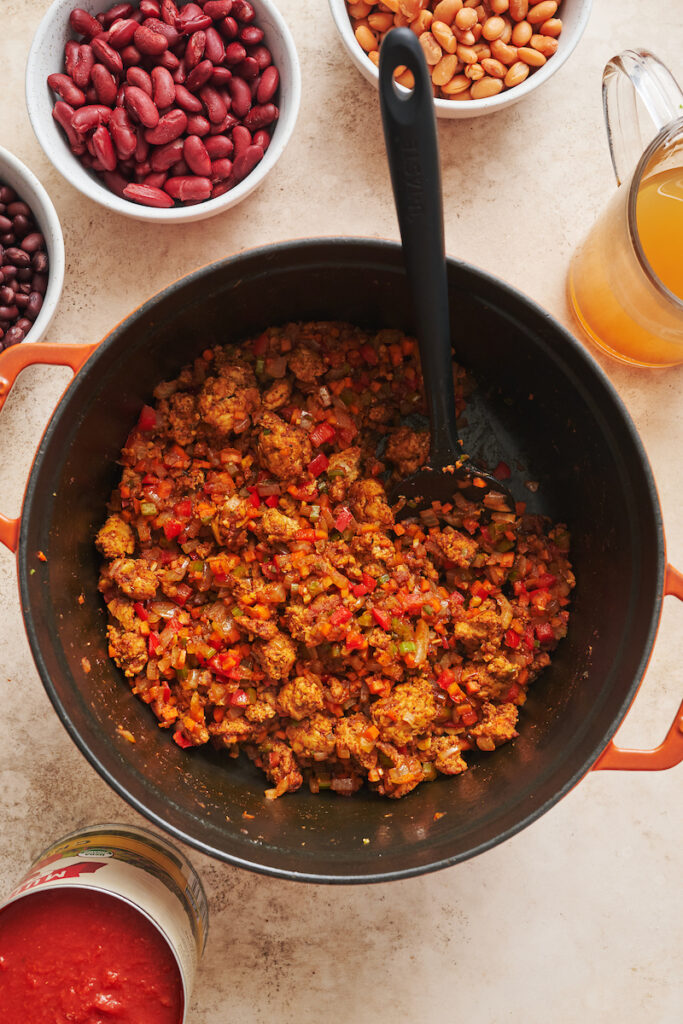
(263, 598)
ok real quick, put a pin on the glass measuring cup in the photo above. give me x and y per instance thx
(626, 279)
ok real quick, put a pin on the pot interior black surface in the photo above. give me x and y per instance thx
(541, 405)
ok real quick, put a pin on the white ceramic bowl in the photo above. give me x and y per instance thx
(47, 56)
(28, 188)
(574, 15)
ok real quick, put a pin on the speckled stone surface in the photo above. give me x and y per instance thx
(576, 919)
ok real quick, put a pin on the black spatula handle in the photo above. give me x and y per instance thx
(412, 150)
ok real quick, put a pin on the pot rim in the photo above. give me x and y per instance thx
(31, 504)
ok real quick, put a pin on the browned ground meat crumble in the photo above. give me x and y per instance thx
(263, 597)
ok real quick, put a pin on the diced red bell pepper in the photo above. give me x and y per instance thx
(322, 433)
(445, 679)
(153, 644)
(344, 517)
(148, 418)
(545, 580)
(319, 464)
(512, 639)
(141, 611)
(359, 590)
(183, 509)
(478, 589)
(260, 345)
(456, 597)
(544, 633)
(529, 638)
(269, 570)
(166, 692)
(519, 587)
(513, 693)
(254, 498)
(369, 355)
(540, 599)
(183, 592)
(339, 616)
(354, 642)
(272, 500)
(172, 527)
(239, 699)
(502, 471)
(181, 740)
(381, 618)
(469, 717)
(369, 581)
(308, 535)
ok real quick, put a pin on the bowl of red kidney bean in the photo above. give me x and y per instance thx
(163, 111)
(31, 254)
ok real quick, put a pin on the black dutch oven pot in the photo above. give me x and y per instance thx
(542, 404)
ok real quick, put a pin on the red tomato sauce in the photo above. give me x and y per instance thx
(74, 956)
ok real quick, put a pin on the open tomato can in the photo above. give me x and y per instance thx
(104, 905)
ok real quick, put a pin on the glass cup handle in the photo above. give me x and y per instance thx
(636, 74)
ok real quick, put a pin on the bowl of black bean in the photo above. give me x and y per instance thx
(31, 254)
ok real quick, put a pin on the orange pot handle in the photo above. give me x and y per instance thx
(12, 362)
(669, 753)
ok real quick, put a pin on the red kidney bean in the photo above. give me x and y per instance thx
(261, 55)
(229, 28)
(141, 106)
(194, 51)
(65, 87)
(235, 53)
(198, 125)
(167, 60)
(185, 187)
(245, 163)
(262, 138)
(214, 103)
(199, 76)
(130, 56)
(240, 95)
(172, 35)
(218, 9)
(107, 18)
(196, 156)
(226, 125)
(220, 76)
(180, 169)
(143, 170)
(149, 42)
(9, 313)
(140, 78)
(169, 12)
(104, 148)
(221, 169)
(163, 88)
(261, 117)
(82, 65)
(248, 68)
(62, 113)
(83, 23)
(164, 157)
(39, 262)
(214, 46)
(86, 118)
(241, 139)
(121, 33)
(251, 35)
(187, 100)
(114, 181)
(179, 75)
(33, 242)
(34, 303)
(21, 300)
(170, 127)
(243, 11)
(218, 146)
(6, 295)
(107, 55)
(104, 85)
(189, 23)
(70, 53)
(156, 179)
(150, 8)
(141, 148)
(24, 274)
(13, 337)
(267, 87)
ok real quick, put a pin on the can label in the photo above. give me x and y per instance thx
(139, 867)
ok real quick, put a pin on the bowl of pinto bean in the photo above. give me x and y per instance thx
(483, 55)
(162, 111)
(31, 254)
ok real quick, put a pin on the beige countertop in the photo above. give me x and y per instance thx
(576, 919)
